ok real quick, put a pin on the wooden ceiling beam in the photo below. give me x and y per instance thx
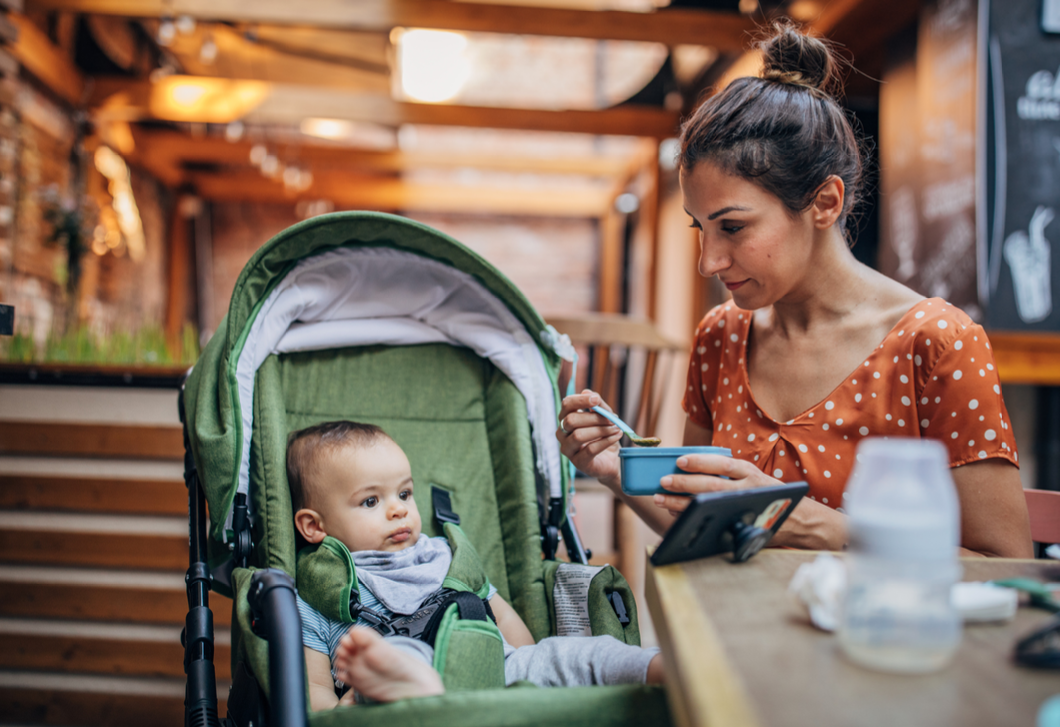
(346, 191)
(132, 100)
(833, 13)
(238, 57)
(858, 27)
(724, 30)
(46, 61)
(619, 120)
(176, 148)
(868, 25)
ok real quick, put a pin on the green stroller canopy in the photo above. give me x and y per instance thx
(361, 279)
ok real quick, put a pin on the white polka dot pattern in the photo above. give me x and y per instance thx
(924, 382)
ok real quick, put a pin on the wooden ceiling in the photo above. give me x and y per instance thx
(329, 58)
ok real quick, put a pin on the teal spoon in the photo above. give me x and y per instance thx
(633, 436)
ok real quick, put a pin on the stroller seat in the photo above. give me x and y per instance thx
(375, 318)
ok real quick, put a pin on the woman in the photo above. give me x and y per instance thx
(815, 351)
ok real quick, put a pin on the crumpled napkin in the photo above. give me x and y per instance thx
(979, 602)
(820, 585)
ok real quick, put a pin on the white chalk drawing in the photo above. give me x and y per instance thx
(952, 266)
(903, 231)
(1041, 98)
(949, 197)
(1027, 255)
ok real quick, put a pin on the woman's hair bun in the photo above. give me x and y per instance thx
(792, 57)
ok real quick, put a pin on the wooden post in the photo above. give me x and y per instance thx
(649, 223)
(609, 295)
(178, 277)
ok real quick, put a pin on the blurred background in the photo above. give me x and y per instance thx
(148, 148)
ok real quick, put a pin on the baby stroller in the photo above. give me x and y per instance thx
(376, 318)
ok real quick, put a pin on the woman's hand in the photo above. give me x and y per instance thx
(588, 440)
(707, 473)
(810, 525)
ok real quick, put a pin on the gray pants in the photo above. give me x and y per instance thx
(561, 661)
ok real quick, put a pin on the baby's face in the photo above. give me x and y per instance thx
(364, 497)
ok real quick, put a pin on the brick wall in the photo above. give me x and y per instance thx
(553, 261)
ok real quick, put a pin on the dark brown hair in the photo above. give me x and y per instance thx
(783, 131)
(305, 446)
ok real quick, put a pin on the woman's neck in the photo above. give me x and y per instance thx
(834, 288)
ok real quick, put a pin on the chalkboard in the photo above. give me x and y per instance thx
(1021, 279)
(928, 155)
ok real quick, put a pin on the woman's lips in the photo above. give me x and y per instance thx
(400, 535)
(735, 285)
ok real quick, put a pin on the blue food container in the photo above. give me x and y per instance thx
(643, 467)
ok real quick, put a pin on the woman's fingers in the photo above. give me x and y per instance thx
(715, 464)
(592, 440)
(575, 402)
(695, 484)
(714, 473)
(580, 426)
(673, 503)
(598, 445)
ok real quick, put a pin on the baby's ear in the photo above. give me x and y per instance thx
(310, 525)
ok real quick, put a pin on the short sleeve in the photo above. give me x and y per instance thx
(315, 628)
(701, 384)
(960, 401)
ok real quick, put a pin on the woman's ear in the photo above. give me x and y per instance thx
(310, 525)
(828, 203)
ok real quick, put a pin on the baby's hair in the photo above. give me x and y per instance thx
(305, 446)
(783, 131)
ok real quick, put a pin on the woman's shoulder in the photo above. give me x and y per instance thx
(941, 340)
(935, 324)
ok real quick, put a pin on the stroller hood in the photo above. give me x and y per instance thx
(359, 279)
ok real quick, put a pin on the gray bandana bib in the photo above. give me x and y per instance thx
(402, 580)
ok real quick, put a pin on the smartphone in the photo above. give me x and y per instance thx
(737, 521)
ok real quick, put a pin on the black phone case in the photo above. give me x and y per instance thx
(721, 522)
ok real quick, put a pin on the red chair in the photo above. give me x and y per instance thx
(1044, 509)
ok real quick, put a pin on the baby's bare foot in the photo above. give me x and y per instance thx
(381, 671)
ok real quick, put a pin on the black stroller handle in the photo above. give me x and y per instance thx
(275, 618)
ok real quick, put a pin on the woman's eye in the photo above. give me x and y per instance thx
(370, 502)
(731, 229)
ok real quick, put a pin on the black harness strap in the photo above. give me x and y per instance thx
(443, 506)
(425, 622)
(469, 606)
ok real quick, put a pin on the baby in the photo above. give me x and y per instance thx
(353, 482)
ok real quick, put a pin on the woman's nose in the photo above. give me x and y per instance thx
(713, 258)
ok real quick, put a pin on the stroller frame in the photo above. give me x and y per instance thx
(271, 596)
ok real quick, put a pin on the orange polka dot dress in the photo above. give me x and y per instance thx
(933, 376)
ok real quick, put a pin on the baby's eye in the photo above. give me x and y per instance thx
(370, 502)
(405, 494)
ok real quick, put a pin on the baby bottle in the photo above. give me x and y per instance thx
(902, 563)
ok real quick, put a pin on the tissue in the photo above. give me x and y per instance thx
(819, 585)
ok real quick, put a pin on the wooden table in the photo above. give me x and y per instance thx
(742, 653)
